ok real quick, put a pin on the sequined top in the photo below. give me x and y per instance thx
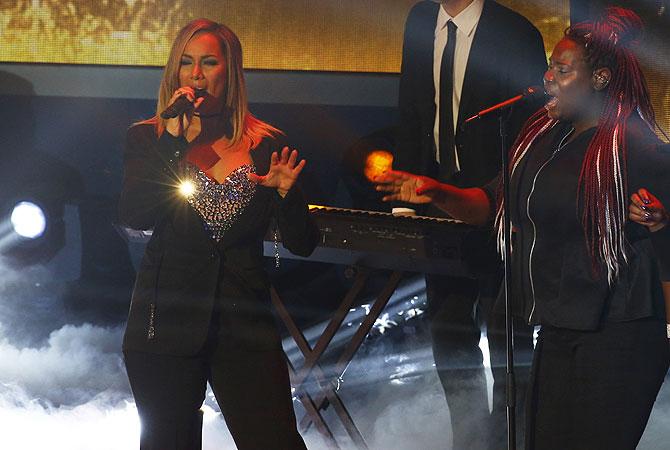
(220, 205)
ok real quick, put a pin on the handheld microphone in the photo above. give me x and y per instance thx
(528, 93)
(181, 105)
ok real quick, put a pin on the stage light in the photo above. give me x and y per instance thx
(28, 220)
(377, 162)
(186, 188)
(367, 158)
(34, 229)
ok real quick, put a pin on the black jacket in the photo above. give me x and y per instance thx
(183, 269)
(507, 55)
(553, 282)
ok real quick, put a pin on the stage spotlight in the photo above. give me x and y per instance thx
(365, 159)
(28, 220)
(34, 230)
(377, 163)
(186, 188)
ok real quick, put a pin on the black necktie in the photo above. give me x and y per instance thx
(447, 156)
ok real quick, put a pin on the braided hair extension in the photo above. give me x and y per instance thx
(607, 42)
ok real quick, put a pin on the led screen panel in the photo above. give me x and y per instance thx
(318, 35)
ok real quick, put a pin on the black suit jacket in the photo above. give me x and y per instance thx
(184, 270)
(507, 55)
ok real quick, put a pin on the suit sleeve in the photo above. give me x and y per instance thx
(408, 148)
(527, 65)
(299, 233)
(149, 177)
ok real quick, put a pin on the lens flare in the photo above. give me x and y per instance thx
(28, 220)
(186, 188)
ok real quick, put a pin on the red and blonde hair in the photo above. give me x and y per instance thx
(607, 42)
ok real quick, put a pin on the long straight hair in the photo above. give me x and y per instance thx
(235, 107)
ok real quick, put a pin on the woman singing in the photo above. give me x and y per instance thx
(209, 182)
(580, 270)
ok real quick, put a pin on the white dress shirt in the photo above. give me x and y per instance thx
(466, 21)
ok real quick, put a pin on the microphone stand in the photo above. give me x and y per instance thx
(504, 110)
(510, 379)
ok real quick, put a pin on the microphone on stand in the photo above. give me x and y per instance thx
(181, 105)
(528, 93)
(510, 378)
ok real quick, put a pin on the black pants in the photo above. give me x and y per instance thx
(252, 389)
(593, 390)
(458, 307)
(250, 381)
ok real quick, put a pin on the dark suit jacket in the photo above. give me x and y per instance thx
(565, 291)
(184, 270)
(507, 55)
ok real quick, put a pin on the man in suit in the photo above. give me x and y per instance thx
(459, 57)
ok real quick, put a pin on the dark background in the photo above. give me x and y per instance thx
(67, 150)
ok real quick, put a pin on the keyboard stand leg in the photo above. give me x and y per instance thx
(327, 394)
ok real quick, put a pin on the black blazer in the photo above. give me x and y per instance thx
(184, 270)
(507, 55)
(565, 292)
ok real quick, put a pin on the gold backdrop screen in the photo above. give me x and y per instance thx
(322, 35)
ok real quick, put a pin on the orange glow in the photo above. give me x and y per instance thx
(377, 162)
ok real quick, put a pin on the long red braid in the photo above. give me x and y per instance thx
(607, 42)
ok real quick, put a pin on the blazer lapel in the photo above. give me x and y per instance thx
(424, 46)
(479, 59)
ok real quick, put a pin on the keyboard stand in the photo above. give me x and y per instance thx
(326, 382)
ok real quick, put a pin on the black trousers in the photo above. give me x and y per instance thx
(593, 390)
(458, 308)
(251, 385)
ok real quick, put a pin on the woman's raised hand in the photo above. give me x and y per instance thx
(407, 187)
(178, 125)
(647, 210)
(283, 171)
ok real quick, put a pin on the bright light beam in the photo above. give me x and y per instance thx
(28, 220)
(186, 188)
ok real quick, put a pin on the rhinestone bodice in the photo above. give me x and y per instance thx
(220, 205)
